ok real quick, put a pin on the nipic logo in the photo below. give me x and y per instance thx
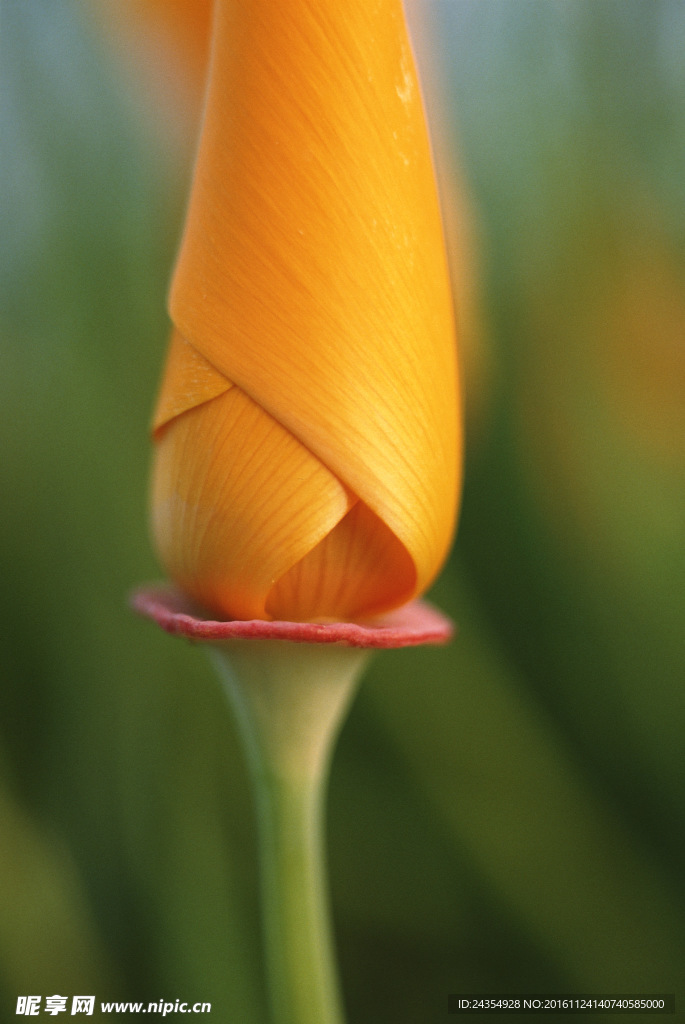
(29, 1006)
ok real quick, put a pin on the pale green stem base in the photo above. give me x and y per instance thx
(290, 700)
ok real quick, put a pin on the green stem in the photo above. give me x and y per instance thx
(290, 700)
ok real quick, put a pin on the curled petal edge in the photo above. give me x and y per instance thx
(409, 626)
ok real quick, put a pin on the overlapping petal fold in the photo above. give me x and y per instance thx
(308, 425)
(237, 501)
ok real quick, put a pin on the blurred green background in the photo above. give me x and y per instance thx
(505, 815)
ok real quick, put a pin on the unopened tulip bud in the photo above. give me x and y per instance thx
(307, 433)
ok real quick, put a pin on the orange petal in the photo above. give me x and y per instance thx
(188, 381)
(236, 502)
(359, 569)
(312, 272)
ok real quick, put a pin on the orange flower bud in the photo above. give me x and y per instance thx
(308, 441)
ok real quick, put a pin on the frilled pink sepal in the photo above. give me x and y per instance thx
(413, 624)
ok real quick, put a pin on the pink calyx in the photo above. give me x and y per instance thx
(409, 626)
